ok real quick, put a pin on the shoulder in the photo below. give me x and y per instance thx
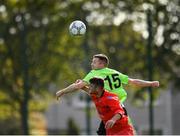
(91, 73)
(115, 71)
(112, 70)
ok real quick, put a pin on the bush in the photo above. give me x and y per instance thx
(10, 126)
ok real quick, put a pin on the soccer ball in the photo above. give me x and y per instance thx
(77, 28)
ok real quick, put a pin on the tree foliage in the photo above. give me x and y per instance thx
(38, 30)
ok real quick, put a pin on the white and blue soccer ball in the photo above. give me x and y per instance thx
(77, 28)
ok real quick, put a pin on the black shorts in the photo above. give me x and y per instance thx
(101, 130)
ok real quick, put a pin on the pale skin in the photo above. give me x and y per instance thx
(99, 64)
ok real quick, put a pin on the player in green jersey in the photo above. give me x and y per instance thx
(114, 80)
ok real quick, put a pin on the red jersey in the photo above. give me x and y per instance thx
(107, 106)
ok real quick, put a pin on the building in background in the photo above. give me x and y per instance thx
(71, 107)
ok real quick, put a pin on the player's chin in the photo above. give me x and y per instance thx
(93, 94)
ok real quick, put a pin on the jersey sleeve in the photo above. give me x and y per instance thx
(114, 104)
(124, 78)
(88, 77)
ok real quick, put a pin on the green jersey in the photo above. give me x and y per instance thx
(113, 81)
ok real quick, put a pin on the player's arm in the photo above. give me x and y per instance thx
(115, 106)
(112, 121)
(71, 88)
(143, 83)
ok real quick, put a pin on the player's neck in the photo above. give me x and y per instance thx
(99, 68)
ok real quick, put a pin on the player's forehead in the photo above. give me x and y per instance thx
(92, 86)
(95, 59)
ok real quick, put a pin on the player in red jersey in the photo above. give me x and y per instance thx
(109, 109)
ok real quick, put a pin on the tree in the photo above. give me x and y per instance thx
(72, 128)
(33, 52)
(34, 35)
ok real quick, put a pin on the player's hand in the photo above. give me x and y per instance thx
(59, 94)
(155, 84)
(109, 124)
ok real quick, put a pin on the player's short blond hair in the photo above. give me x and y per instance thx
(103, 58)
